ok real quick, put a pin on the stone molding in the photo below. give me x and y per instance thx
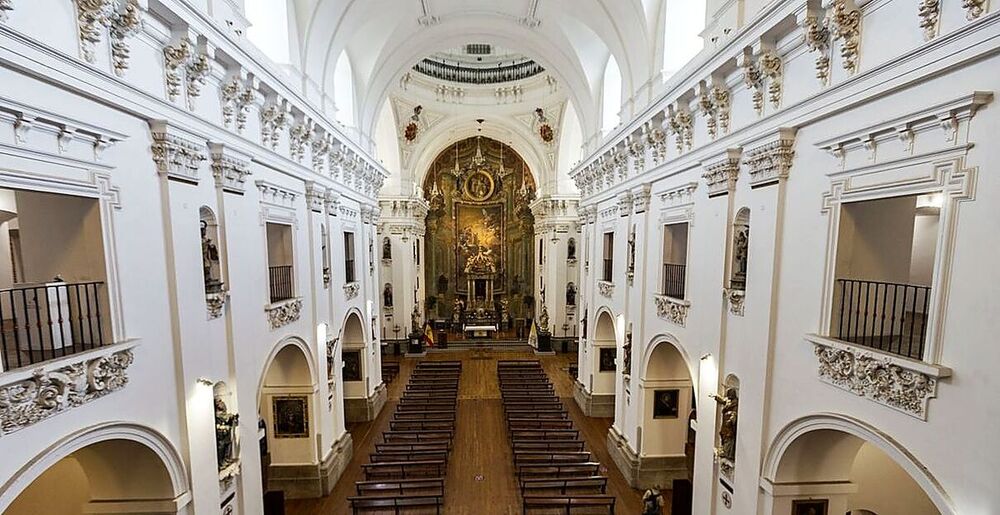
(771, 160)
(605, 288)
(176, 154)
(722, 173)
(900, 383)
(276, 195)
(59, 386)
(316, 197)
(284, 312)
(671, 309)
(229, 168)
(735, 299)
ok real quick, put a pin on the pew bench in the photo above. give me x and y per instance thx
(514, 424)
(550, 458)
(421, 425)
(403, 469)
(393, 457)
(569, 504)
(433, 486)
(548, 445)
(559, 471)
(544, 434)
(397, 504)
(384, 447)
(591, 484)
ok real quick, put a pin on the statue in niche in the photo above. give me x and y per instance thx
(727, 431)
(226, 435)
(387, 295)
(652, 501)
(571, 249)
(515, 284)
(631, 250)
(570, 294)
(386, 249)
(442, 284)
(627, 368)
(740, 254)
(209, 260)
(457, 309)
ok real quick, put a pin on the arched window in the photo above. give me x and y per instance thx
(343, 89)
(741, 250)
(685, 20)
(611, 96)
(269, 28)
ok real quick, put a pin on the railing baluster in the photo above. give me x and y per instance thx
(100, 323)
(865, 308)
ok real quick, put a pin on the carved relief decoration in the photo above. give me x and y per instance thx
(214, 302)
(49, 392)
(92, 17)
(273, 120)
(175, 60)
(771, 161)
(720, 176)
(605, 288)
(682, 126)
(754, 80)
(351, 290)
(230, 172)
(197, 70)
(236, 100)
(671, 309)
(735, 299)
(715, 105)
(844, 23)
(175, 156)
(974, 8)
(771, 67)
(929, 12)
(5, 7)
(876, 377)
(124, 24)
(817, 37)
(284, 313)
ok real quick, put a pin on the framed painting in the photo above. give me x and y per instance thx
(607, 359)
(665, 403)
(810, 507)
(291, 416)
(352, 365)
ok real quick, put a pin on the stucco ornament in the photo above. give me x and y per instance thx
(605, 288)
(876, 377)
(671, 309)
(844, 23)
(49, 392)
(285, 313)
(817, 38)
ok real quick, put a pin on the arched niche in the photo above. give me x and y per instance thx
(109, 468)
(287, 408)
(210, 251)
(848, 467)
(740, 250)
(668, 406)
(354, 360)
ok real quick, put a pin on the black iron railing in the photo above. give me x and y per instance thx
(280, 279)
(606, 273)
(349, 271)
(470, 75)
(48, 321)
(673, 280)
(890, 317)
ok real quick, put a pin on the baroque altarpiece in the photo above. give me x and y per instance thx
(480, 232)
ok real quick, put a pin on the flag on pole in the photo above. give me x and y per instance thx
(429, 334)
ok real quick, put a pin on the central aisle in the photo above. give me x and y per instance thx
(481, 477)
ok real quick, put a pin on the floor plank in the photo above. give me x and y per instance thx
(480, 476)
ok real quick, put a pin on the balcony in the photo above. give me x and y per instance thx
(52, 320)
(890, 317)
(280, 280)
(674, 277)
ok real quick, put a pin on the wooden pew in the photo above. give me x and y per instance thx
(568, 504)
(532, 406)
(535, 434)
(421, 425)
(433, 486)
(409, 436)
(394, 457)
(548, 445)
(424, 415)
(558, 471)
(550, 458)
(514, 424)
(395, 504)
(537, 414)
(416, 447)
(403, 469)
(590, 484)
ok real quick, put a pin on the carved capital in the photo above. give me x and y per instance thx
(229, 168)
(175, 155)
(721, 175)
(605, 288)
(770, 161)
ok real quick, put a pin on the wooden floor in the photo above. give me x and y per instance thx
(481, 477)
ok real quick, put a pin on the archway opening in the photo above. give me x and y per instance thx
(356, 371)
(111, 476)
(287, 413)
(603, 374)
(667, 442)
(831, 471)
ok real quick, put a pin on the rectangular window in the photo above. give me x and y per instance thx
(882, 285)
(675, 242)
(541, 249)
(53, 296)
(609, 253)
(349, 257)
(279, 262)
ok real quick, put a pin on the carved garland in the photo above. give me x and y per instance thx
(236, 100)
(5, 7)
(817, 38)
(929, 12)
(50, 392)
(844, 24)
(605, 288)
(754, 80)
(974, 8)
(876, 377)
(284, 313)
(671, 309)
(124, 24)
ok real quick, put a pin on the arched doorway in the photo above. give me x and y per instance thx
(287, 407)
(601, 378)
(108, 469)
(357, 372)
(666, 442)
(836, 465)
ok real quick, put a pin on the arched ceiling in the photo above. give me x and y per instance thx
(572, 39)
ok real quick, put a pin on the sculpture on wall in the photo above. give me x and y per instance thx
(727, 431)
(571, 250)
(570, 294)
(387, 296)
(627, 368)
(226, 435)
(210, 261)
(386, 249)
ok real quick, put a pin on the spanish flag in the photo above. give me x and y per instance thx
(429, 334)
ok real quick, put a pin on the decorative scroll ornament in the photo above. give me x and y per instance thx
(682, 126)
(176, 157)
(844, 24)
(351, 290)
(709, 110)
(236, 100)
(197, 72)
(214, 302)
(298, 136)
(735, 298)
(5, 7)
(929, 12)
(771, 67)
(880, 378)
(321, 145)
(285, 313)
(272, 120)
(230, 173)
(817, 37)
(49, 392)
(974, 8)
(754, 80)
(657, 141)
(92, 17)
(771, 161)
(605, 288)
(637, 150)
(721, 175)
(671, 309)
(124, 24)
(175, 60)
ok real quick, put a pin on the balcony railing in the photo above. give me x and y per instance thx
(349, 271)
(890, 317)
(606, 273)
(280, 279)
(674, 277)
(52, 320)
